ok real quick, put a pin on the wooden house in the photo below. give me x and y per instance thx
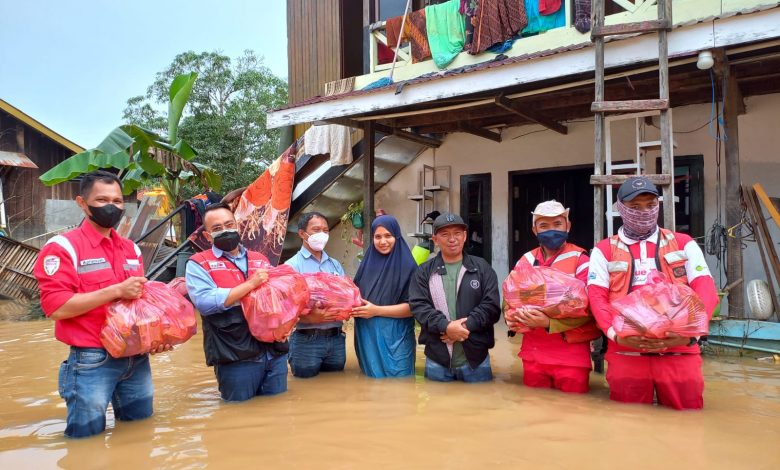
(492, 135)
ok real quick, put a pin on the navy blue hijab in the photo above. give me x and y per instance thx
(384, 279)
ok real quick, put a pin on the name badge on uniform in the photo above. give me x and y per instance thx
(217, 265)
(89, 262)
(134, 262)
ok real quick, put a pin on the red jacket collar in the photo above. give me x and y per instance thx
(93, 236)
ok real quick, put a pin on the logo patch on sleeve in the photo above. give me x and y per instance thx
(51, 264)
(679, 271)
(474, 284)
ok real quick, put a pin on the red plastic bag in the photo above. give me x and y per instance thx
(179, 284)
(557, 294)
(333, 292)
(660, 307)
(160, 316)
(272, 310)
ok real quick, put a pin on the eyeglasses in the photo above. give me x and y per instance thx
(225, 226)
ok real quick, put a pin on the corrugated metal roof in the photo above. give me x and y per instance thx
(16, 159)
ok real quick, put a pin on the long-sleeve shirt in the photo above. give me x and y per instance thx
(643, 252)
(204, 293)
(305, 262)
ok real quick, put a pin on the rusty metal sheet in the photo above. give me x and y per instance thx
(16, 159)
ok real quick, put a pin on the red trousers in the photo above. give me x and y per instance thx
(569, 379)
(677, 381)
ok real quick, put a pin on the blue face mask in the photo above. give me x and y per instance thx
(552, 239)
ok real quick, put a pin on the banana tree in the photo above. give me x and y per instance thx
(143, 156)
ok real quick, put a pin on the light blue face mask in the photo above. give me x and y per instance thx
(552, 239)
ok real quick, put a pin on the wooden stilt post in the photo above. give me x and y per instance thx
(667, 156)
(369, 145)
(734, 268)
(600, 147)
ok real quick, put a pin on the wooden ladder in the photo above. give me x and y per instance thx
(636, 109)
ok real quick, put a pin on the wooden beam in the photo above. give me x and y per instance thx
(341, 122)
(19, 139)
(429, 142)
(629, 106)
(665, 119)
(734, 268)
(516, 108)
(601, 180)
(630, 28)
(369, 148)
(599, 151)
(484, 133)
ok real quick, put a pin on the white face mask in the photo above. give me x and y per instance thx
(317, 241)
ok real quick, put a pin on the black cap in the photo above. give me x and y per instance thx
(633, 187)
(447, 219)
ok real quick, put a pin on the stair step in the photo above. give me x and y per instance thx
(419, 197)
(626, 166)
(660, 180)
(630, 28)
(650, 145)
(630, 105)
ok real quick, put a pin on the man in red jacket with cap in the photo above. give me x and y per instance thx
(555, 353)
(640, 368)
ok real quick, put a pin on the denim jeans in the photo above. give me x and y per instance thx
(439, 373)
(265, 374)
(90, 378)
(310, 355)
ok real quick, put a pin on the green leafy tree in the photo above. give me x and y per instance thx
(225, 117)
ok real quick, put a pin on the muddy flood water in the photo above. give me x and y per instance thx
(345, 420)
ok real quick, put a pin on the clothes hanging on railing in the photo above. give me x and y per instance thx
(418, 36)
(582, 9)
(468, 8)
(548, 7)
(446, 30)
(496, 21)
(330, 139)
(539, 22)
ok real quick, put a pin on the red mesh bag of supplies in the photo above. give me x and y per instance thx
(160, 316)
(332, 292)
(660, 307)
(272, 310)
(557, 294)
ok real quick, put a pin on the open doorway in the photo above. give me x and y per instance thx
(568, 185)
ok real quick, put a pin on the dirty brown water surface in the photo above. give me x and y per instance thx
(345, 420)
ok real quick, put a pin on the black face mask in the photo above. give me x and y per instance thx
(227, 240)
(107, 216)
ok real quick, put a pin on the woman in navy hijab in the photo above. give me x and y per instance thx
(384, 327)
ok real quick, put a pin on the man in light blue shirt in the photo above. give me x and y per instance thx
(317, 345)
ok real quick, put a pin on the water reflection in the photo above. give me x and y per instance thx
(346, 420)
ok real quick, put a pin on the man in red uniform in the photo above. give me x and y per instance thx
(641, 367)
(555, 353)
(79, 273)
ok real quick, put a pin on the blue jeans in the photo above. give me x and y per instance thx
(439, 373)
(90, 378)
(265, 374)
(310, 355)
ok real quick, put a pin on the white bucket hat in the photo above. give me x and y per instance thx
(550, 208)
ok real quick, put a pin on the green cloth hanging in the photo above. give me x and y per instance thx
(446, 31)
